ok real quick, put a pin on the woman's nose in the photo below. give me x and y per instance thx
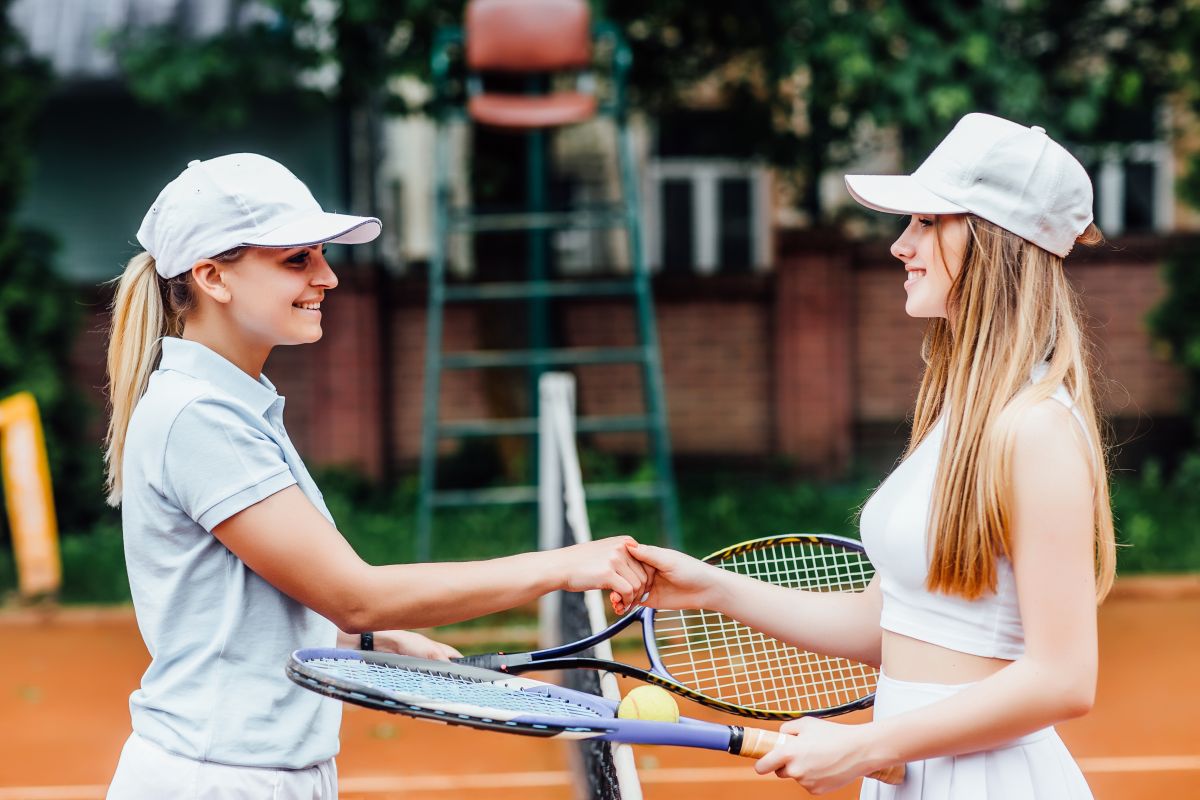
(902, 248)
(326, 277)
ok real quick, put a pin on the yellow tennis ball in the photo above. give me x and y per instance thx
(650, 703)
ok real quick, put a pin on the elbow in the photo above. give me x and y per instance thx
(353, 621)
(1078, 702)
(1075, 698)
(352, 610)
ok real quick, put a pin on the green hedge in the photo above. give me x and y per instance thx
(1155, 519)
(1157, 528)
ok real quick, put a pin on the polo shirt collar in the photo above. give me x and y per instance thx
(194, 359)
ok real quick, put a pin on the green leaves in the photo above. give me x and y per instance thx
(1155, 519)
(38, 311)
(1175, 321)
(218, 81)
(816, 70)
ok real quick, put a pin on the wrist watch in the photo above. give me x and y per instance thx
(366, 641)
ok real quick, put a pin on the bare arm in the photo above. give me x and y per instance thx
(832, 623)
(1056, 586)
(288, 542)
(1052, 539)
(406, 643)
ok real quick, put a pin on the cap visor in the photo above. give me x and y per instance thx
(318, 228)
(898, 194)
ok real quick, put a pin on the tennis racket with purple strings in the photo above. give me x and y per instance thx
(457, 694)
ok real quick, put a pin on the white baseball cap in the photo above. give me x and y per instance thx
(1016, 177)
(238, 200)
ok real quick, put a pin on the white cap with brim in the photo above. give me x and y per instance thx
(898, 194)
(320, 228)
(1016, 177)
(240, 200)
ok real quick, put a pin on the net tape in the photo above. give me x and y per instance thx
(606, 774)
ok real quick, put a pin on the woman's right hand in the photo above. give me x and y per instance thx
(680, 581)
(606, 564)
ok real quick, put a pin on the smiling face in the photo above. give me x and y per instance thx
(274, 295)
(263, 296)
(931, 249)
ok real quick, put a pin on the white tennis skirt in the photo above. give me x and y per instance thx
(1033, 767)
(148, 772)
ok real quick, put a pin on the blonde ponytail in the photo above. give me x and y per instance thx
(142, 312)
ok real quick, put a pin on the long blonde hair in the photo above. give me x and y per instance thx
(1011, 308)
(145, 308)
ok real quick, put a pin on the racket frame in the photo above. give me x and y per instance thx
(605, 726)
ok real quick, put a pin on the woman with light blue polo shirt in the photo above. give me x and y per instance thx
(234, 560)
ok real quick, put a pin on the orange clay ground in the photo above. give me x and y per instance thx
(66, 675)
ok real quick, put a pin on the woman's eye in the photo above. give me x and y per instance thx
(925, 221)
(299, 260)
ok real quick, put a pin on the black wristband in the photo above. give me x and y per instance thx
(366, 641)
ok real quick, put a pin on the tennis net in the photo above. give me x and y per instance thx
(604, 771)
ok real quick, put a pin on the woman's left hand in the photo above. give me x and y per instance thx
(819, 755)
(408, 643)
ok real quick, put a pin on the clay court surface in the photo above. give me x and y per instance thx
(66, 676)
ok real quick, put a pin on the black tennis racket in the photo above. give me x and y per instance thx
(458, 694)
(721, 663)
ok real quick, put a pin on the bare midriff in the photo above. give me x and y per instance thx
(908, 659)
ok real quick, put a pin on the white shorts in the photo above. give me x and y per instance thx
(1033, 767)
(148, 772)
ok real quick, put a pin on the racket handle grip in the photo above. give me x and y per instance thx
(757, 742)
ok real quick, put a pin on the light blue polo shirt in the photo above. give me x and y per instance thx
(205, 442)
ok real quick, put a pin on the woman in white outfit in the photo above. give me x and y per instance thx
(993, 538)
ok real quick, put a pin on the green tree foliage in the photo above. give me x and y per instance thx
(802, 77)
(292, 52)
(38, 311)
(219, 81)
(1176, 321)
(806, 76)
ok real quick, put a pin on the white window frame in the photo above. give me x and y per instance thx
(705, 175)
(1110, 160)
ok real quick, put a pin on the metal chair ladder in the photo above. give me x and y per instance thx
(536, 38)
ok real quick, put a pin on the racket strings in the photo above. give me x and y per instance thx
(749, 668)
(724, 659)
(439, 690)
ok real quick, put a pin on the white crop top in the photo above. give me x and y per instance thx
(893, 527)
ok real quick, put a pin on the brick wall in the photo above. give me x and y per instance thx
(816, 363)
(716, 366)
(1118, 292)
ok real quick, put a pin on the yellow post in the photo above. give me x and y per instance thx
(31, 517)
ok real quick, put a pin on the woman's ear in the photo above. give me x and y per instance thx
(209, 278)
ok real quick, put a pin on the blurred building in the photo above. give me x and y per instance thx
(101, 157)
(780, 343)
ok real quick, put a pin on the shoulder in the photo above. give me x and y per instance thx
(182, 410)
(1052, 491)
(1046, 427)
(179, 395)
(1049, 449)
(216, 420)
(166, 397)
(1044, 418)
